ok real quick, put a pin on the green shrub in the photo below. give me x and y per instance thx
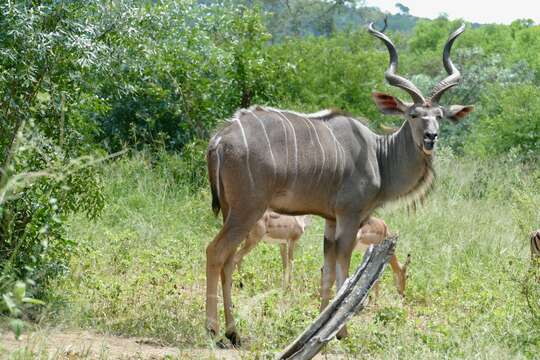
(46, 49)
(182, 67)
(510, 120)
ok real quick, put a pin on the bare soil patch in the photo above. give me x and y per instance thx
(79, 344)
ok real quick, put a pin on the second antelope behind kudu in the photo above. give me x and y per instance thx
(328, 164)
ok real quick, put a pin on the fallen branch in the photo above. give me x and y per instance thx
(348, 301)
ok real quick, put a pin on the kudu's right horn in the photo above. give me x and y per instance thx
(453, 73)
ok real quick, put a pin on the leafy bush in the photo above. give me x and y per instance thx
(46, 49)
(336, 72)
(510, 120)
(182, 67)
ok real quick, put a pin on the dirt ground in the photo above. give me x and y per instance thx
(70, 345)
(79, 344)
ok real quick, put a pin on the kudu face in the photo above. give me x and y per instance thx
(423, 116)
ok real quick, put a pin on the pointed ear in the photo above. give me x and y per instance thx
(455, 113)
(388, 104)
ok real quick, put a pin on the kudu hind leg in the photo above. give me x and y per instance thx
(220, 252)
(226, 285)
(254, 235)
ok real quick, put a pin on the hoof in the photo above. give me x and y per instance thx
(342, 334)
(212, 332)
(234, 338)
(220, 344)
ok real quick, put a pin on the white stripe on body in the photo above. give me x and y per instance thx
(338, 148)
(247, 151)
(274, 165)
(295, 145)
(321, 147)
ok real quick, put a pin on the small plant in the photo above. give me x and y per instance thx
(14, 302)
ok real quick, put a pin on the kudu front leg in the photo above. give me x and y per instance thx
(328, 271)
(346, 231)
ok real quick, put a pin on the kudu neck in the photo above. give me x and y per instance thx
(402, 164)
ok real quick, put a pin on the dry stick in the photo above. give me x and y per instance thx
(348, 301)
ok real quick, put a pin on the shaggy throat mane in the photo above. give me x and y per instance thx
(418, 194)
(400, 158)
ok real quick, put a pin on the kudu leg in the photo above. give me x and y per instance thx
(220, 260)
(226, 285)
(328, 271)
(346, 231)
(253, 238)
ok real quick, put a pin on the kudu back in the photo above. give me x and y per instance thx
(328, 164)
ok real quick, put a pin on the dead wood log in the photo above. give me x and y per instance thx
(348, 301)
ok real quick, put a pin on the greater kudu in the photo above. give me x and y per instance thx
(327, 164)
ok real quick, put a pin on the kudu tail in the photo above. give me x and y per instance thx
(213, 160)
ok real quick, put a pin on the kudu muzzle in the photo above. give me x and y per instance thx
(430, 139)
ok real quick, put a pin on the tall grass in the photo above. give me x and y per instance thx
(140, 269)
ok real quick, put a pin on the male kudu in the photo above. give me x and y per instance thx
(327, 164)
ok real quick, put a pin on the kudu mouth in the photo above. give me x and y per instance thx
(403, 83)
(429, 142)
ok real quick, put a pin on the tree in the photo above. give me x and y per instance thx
(403, 9)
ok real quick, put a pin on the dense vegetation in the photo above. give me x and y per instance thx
(85, 82)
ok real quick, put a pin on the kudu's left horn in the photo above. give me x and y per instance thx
(453, 73)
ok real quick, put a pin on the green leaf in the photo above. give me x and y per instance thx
(12, 307)
(33, 301)
(43, 97)
(19, 291)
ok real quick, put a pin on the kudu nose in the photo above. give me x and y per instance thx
(430, 136)
(429, 140)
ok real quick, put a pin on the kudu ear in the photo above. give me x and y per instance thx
(455, 113)
(388, 104)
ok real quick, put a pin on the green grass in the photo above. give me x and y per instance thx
(140, 268)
